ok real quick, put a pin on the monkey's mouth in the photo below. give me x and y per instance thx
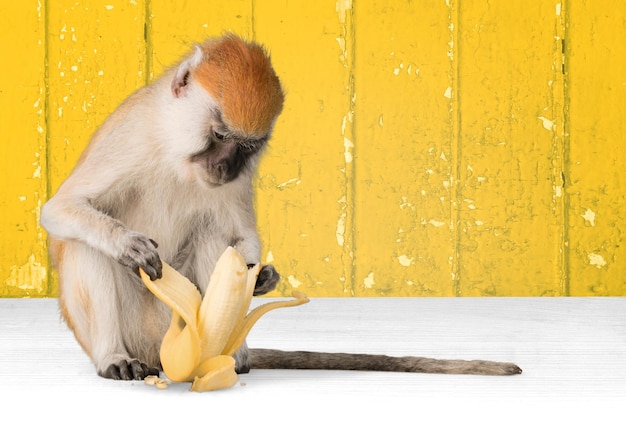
(219, 168)
(213, 174)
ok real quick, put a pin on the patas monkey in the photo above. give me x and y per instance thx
(173, 165)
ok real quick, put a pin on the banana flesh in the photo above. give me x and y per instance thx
(205, 332)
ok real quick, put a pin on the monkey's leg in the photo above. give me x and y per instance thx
(91, 306)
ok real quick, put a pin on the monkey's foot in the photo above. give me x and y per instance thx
(131, 369)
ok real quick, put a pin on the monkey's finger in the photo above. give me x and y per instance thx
(149, 370)
(154, 269)
(154, 273)
(125, 370)
(131, 369)
(153, 265)
(137, 370)
(158, 267)
(112, 372)
(150, 261)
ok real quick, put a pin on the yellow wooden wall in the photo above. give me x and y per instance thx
(427, 148)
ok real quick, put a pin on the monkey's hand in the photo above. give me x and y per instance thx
(139, 251)
(266, 281)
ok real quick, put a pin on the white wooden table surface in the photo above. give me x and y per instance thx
(572, 351)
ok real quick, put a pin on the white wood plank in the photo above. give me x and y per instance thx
(571, 350)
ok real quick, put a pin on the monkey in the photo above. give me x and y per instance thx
(168, 176)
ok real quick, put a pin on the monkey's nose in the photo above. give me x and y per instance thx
(221, 172)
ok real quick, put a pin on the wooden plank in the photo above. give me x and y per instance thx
(510, 220)
(23, 262)
(596, 178)
(96, 59)
(404, 157)
(302, 200)
(174, 27)
(291, 234)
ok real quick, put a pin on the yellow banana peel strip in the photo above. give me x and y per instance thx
(180, 348)
(219, 373)
(204, 333)
(245, 324)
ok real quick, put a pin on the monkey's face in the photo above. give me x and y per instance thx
(203, 142)
(226, 97)
(225, 156)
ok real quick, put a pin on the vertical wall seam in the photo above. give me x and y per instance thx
(351, 178)
(456, 140)
(252, 20)
(46, 112)
(147, 37)
(346, 230)
(559, 142)
(566, 181)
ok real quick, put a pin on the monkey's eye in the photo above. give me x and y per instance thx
(249, 146)
(218, 136)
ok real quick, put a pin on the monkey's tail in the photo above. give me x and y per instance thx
(278, 359)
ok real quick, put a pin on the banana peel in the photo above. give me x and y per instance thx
(205, 332)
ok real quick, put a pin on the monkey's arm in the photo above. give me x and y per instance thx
(71, 214)
(248, 244)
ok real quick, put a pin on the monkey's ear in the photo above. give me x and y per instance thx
(183, 72)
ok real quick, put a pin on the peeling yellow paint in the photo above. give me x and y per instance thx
(289, 183)
(590, 217)
(342, 7)
(294, 282)
(547, 123)
(368, 282)
(404, 260)
(436, 223)
(30, 277)
(341, 229)
(596, 260)
(348, 145)
(558, 191)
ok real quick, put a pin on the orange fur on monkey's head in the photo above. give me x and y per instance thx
(239, 75)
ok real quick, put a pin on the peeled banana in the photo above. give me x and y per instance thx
(205, 332)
